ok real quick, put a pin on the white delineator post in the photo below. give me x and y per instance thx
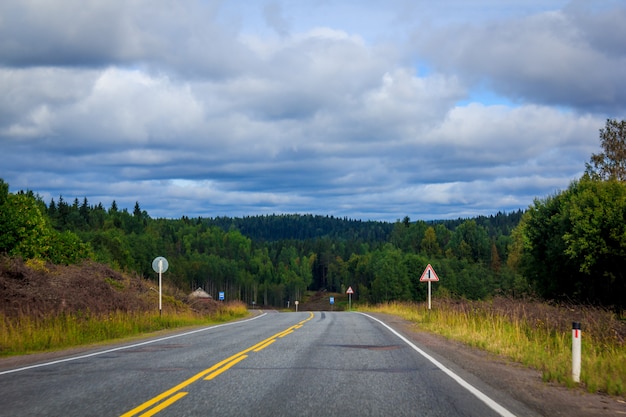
(576, 351)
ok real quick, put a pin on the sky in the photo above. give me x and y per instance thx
(362, 109)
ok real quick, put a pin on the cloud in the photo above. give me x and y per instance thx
(566, 57)
(194, 108)
(183, 38)
(61, 33)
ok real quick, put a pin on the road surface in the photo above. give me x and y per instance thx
(275, 364)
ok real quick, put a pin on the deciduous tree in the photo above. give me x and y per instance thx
(611, 163)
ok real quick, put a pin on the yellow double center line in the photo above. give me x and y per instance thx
(174, 394)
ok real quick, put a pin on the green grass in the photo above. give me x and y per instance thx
(26, 334)
(534, 342)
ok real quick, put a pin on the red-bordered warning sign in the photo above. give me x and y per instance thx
(429, 274)
(350, 291)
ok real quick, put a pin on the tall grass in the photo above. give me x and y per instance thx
(26, 334)
(537, 340)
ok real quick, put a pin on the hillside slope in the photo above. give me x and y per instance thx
(38, 290)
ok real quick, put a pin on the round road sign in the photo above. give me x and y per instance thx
(159, 264)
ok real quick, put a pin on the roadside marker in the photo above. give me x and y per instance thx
(576, 351)
(350, 292)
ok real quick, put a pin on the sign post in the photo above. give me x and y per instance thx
(429, 275)
(160, 265)
(350, 292)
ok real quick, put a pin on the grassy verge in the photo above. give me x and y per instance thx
(25, 334)
(534, 334)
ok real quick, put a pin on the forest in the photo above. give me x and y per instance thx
(569, 246)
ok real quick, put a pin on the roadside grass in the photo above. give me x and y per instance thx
(537, 335)
(27, 334)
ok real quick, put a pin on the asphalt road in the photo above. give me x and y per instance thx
(277, 364)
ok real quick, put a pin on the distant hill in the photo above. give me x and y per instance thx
(268, 228)
(275, 227)
(498, 224)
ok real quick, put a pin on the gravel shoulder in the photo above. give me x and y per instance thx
(523, 384)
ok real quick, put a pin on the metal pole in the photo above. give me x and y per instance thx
(429, 294)
(576, 351)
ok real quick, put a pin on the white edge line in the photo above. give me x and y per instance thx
(73, 358)
(488, 401)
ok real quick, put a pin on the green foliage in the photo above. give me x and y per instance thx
(430, 244)
(67, 248)
(4, 191)
(575, 243)
(470, 241)
(25, 231)
(391, 277)
(597, 238)
(23, 228)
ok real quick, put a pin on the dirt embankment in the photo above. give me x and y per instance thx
(41, 290)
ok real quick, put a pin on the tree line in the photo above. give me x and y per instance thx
(569, 245)
(266, 259)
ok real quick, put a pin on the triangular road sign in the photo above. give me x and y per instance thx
(350, 291)
(429, 274)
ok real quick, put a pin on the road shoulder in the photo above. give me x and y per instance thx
(523, 384)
